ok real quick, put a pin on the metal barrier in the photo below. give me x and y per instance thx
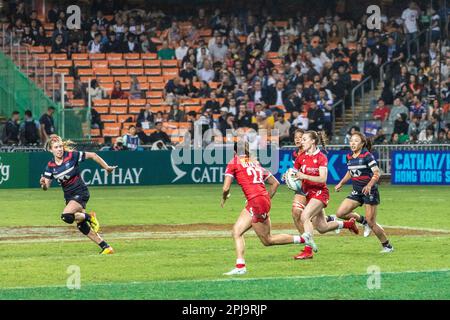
(360, 86)
(333, 115)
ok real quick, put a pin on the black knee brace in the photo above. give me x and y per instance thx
(68, 218)
(84, 227)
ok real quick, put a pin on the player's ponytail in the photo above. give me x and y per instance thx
(323, 140)
(68, 145)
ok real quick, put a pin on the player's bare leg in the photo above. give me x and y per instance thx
(80, 217)
(242, 225)
(323, 226)
(313, 208)
(262, 230)
(345, 210)
(298, 204)
(371, 217)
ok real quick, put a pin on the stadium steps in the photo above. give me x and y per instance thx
(362, 108)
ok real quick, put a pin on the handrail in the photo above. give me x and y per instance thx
(333, 114)
(416, 38)
(382, 70)
(359, 85)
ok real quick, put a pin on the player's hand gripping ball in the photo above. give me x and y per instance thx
(290, 176)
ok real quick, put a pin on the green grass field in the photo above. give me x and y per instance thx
(173, 242)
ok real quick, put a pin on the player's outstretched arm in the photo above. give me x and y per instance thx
(341, 183)
(100, 161)
(226, 190)
(273, 185)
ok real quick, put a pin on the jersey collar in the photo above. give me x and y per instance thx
(315, 152)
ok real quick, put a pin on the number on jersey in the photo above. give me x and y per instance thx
(257, 174)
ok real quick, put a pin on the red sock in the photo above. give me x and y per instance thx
(240, 265)
(348, 224)
(308, 249)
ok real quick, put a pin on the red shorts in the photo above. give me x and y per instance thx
(320, 194)
(259, 208)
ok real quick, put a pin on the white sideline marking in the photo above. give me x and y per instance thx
(229, 279)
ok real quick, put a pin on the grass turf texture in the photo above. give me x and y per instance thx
(151, 269)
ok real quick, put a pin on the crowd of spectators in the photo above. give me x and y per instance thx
(316, 57)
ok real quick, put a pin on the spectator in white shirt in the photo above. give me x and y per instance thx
(218, 50)
(181, 51)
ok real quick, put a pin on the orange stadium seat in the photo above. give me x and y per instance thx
(126, 125)
(170, 72)
(116, 63)
(101, 71)
(122, 78)
(156, 102)
(108, 118)
(105, 79)
(356, 77)
(149, 56)
(119, 72)
(99, 64)
(137, 102)
(42, 56)
(169, 63)
(97, 56)
(152, 63)
(157, 86)
(125, 118)
(114, 56)
(95, 132)
(101, 102)
(82, 63)
(118, 110)
(136, 71)
(101, 110)
(85, 72)
(131, 56)
(135, 63)
(77, 103)
(154, 94)
(79, 56)
(63, 63)
(119, 102)
(111, 132)
(58, 56)
(152, 72)
(64, 71)
(135, 110)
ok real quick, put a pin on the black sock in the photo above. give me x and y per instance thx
(87, 217)
(362, 220)
(386, 244)
(103, 245)
(330, 218)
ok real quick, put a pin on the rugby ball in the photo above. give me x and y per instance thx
(295, 185)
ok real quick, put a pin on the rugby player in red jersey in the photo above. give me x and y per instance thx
(313, 171)
(251, 177)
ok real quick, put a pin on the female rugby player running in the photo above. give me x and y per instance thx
(64, 168)
(313, 171)
(364, 172)
(251, 177)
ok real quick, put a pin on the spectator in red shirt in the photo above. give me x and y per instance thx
(381, 112)
(117, 92)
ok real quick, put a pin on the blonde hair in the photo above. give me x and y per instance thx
(68, 145)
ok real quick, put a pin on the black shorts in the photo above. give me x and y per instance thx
(372, 199)
(81, 196)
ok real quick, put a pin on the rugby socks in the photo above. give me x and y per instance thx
(298, 239)
(240, 263)
(330, 218)
(362, 220)
(386, 244)
(103, 245)
(340, 224)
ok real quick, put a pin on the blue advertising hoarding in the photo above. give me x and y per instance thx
(337, 164)
(420, 167)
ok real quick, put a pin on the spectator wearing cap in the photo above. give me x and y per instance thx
(381, 111)
(283, 128)
(159, 135)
